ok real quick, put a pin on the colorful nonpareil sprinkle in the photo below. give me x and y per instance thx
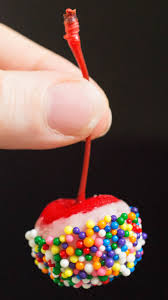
(93, 257)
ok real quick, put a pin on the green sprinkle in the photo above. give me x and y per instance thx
(126, 233)
(56, 280)
(120, 221)
(60, 283)
(56, 271)
(42, 242)
(56, 241)
(88, 257)
(109, 235)
(114, 246)
(103, 278)
(124, 216)
(135, 220)
(78, 252)
(57, 257)
(37, 239)
(103, 262)
(89, 276)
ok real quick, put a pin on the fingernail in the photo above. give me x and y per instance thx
(75, 108)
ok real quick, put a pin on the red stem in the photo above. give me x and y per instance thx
(77, 52)
(72, 36)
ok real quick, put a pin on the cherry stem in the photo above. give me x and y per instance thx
(72, 36)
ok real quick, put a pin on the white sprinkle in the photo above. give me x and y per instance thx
(28, 235)
(102, 233)
(31, 243)
(122, 260)
(95, 281)
(48, 255)
(66, 283)
(126, 272)
(64, 263)
(40, 266)
(33, 254)
(118, 251)
(86, 286)
(88, 268)
(131, 258)
(81, 258)
(123, 268)
(86, 280)
(102, 248)
(33, 233)
(75, 280)
(129, 244)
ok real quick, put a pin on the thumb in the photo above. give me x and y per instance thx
(42, 110)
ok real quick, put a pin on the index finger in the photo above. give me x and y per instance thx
(19, 53)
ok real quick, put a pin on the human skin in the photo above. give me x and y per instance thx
(44, 100)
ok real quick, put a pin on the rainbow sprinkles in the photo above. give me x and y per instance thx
(94, 256)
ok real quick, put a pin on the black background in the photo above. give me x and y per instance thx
(124, 46)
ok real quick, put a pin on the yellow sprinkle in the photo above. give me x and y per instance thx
(90, 224)
(68, 229)
(124, 227)
(116, 267)
(74, 259)
(63, 275)
(129, 227)
(55, 249)
(62, 238)
(130, 265)
(36, 249)
(43, 251)
(131, 234)
(68, 272)
(36, 262)
(107, 219)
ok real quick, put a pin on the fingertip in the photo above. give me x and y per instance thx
(103, 125)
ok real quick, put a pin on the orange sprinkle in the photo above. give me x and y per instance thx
(96, 265)
(51, 276)
(114, 232)
(79, 265)
(96, 258)
(70, 250)
(88, 242)
(115, 273)
(132, 239)
(102, 224)
(127, 252)
(131, 216)
(108, 272)
(89, 232)
(44, 259)
(45, 271)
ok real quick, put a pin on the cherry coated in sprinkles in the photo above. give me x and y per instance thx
(97, 251)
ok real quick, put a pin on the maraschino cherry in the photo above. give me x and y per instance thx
(86, 242)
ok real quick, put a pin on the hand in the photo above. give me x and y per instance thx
(44, 101)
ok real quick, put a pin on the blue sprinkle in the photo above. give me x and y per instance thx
(108, 248)
(107, 228)
(106, 242)
(96, 228)
(137, 215)
(115, 238)
(139, 259)
(132, 269)
(114, 225)
(124, 248)
(111, 279)
(116, 257)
